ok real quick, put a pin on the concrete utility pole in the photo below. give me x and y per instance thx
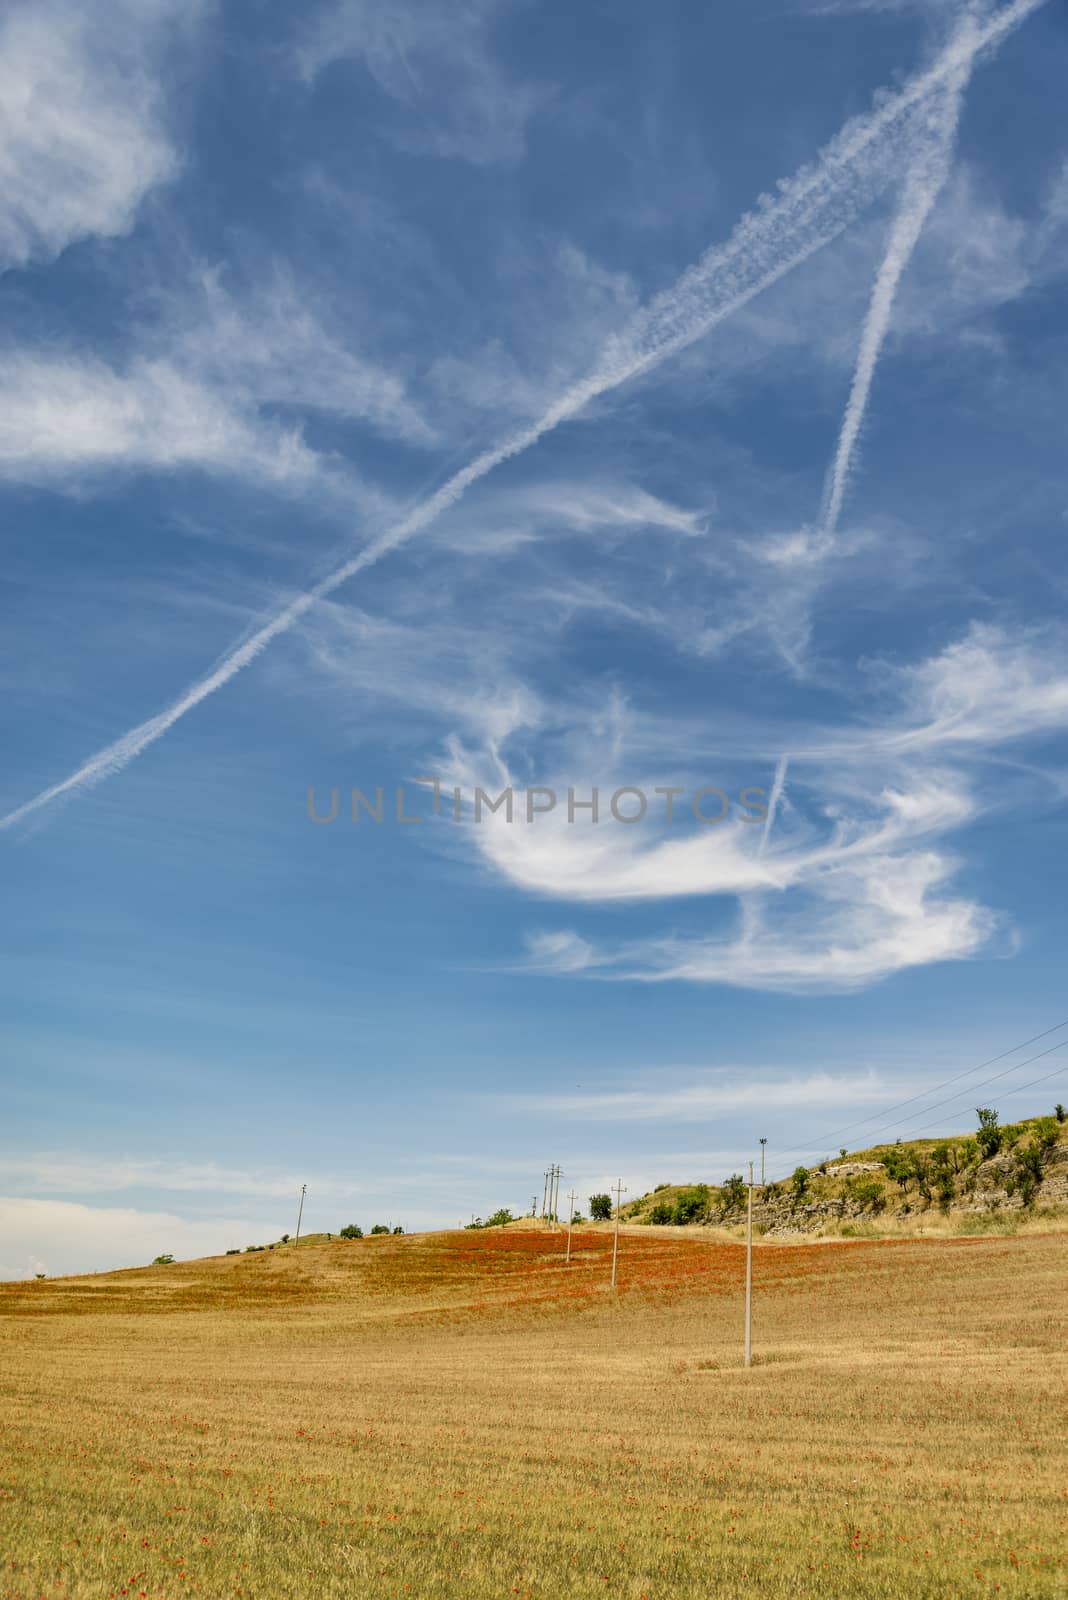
(544, 1189)
(749, 1276)
(570, 1214)
(763, 1144)
(300, 1211)
(554, 1206)
(619, 1191)
(533, 1205)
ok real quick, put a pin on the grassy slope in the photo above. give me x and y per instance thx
(462, 1415)
(979, 1207)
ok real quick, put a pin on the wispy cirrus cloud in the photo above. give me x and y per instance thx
(812, 208)
(858, 887)
(451, 97)
(729, 1090)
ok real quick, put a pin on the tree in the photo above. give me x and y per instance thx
(661, 1214)
(1059, 1113)
(352, 1230)
(601, 1207)
(799, 1182)
(734, 1192)
(398, 1229)
(285, 1238)
(499, 1218)
(380, 1227)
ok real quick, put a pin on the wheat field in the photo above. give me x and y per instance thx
(463, 1415)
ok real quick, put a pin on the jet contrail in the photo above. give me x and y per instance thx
(927, 172)
(778, 784)
(809, 210)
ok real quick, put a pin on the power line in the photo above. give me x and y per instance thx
(878, 1116)
(1020, 1087)
(973, 1088)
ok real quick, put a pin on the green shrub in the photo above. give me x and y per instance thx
(351, 1230)
(661, 1214)
(1059, 1113)
(989, 1136)
(577, 1218)
(734, 1192)
(867, 1192)
(163, 1261)
(234, 1252)
(1046, 1132)
(661, 1186)
(380, 1227)
(800, 1181)
(692, 1204)
(898, 1167)
(398, 1228)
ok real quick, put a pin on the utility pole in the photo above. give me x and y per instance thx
(533, 1205)
(300, 1211)
(554, 1207)
(749, 1276)
(544, 1190)
(763, 1144)
(619, 1191)
(570, 1214)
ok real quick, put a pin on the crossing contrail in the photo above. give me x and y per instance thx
(927, 172)
(808, 211)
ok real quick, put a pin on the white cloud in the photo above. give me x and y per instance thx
(276, 344)
(62, 414)
(743, 1090)
(554, 508)
(83, 135)
(986, 688)
(852, 926)
(810, 210)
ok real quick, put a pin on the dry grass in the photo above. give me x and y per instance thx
(460, 1415)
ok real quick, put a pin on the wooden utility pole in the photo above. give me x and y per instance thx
(749, 1276)
(300, 1211)
(763, 1145)
(619, 1191)
(570, 1214)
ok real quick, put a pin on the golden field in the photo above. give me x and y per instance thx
(462, 1415)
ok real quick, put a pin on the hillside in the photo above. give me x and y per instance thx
(999, 1178)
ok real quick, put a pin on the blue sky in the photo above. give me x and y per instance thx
(519, 395)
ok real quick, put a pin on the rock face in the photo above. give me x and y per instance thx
(991, 1186)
